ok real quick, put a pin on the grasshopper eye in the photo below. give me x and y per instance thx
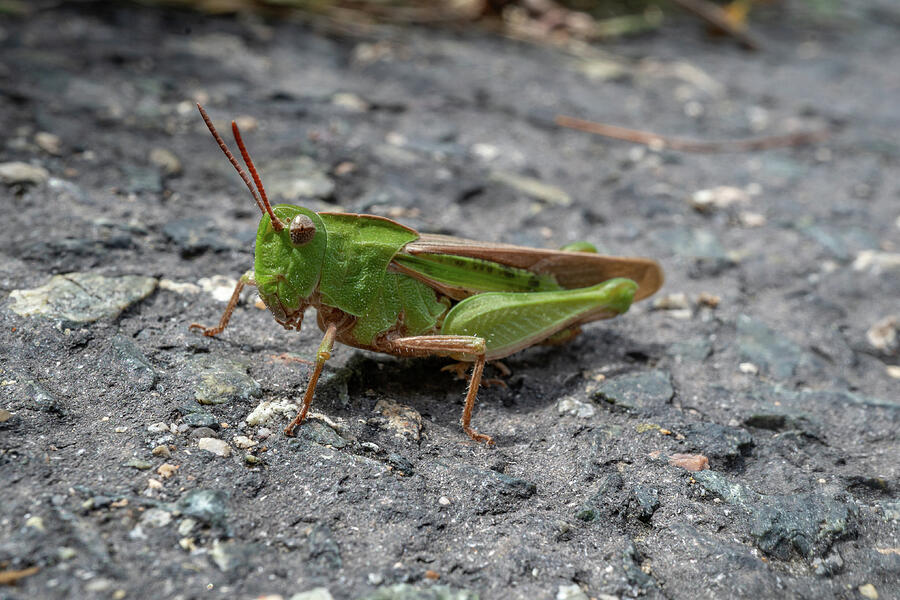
(302, 229)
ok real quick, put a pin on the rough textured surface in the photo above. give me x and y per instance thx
(129, 466)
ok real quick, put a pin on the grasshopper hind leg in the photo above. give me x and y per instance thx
(464, 345)
(246, 279)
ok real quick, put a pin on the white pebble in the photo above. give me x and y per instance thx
(268, 409)
(217, 447)
(242, 441)
(748, 368)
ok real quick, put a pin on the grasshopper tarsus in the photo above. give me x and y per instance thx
(479, 437)
(458, 369)
(207, 331)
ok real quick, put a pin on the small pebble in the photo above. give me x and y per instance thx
(186, 526)
(162, 450)
(568, 405)
(165, 160)
(179, 287)
(246, 122)
(5, 415)
(158, 427)
(137, 463)
(868, 591)
(570, 592)
(156, 517)
(219, 287)
(748, 368)
(48, 142)
(718, 197)
(401, 419)
(444, 501)
(350, 102)
(187, 543)
(20, 172)
(751, 219)
(244, 442)
(154, 484)
(319, 593)
(166, 470)
(268, 409)
(876, 262)
(486, 152)
(202, 432)
(344, 168)
(690, 462)
(263, 433)
(217, 447)
(893, 371)
(707, 299)
(883, 334)
(677, 301)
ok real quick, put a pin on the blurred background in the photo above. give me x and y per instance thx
(735, 436)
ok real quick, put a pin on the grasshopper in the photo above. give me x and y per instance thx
(381, 286)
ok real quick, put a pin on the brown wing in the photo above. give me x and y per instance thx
(571, 269)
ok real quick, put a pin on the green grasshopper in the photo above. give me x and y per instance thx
(381, 286)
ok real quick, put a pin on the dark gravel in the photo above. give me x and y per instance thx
(138, 459)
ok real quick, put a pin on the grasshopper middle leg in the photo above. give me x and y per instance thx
(246, 279)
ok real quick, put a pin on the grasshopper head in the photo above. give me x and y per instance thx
(288, 261)
(290, 242)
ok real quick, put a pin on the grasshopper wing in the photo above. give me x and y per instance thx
(569, 269)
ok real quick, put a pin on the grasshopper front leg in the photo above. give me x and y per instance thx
(322, 355)
(246, 279)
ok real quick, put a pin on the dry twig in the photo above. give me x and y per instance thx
(661, 142)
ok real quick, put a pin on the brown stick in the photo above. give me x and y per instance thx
(13, 577)
(715, 16)
(656, 141)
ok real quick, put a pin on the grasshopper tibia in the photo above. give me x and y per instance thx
(322, 355)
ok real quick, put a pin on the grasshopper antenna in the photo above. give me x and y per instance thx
(263, 207)
(249, 161)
